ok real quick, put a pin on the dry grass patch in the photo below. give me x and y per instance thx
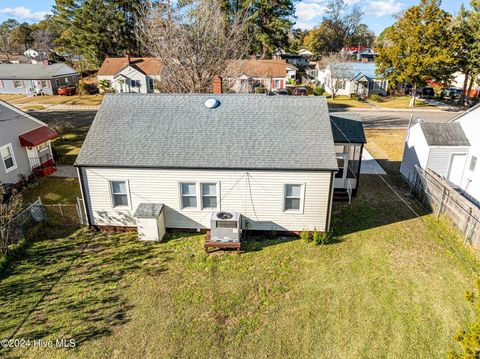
(386, 146)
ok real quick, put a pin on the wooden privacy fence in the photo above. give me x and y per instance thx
(437, 194)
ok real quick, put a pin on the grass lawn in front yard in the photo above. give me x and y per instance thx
(386, 146)
(400, 102)
(68, 147)
(45, 101)
(389, 286)
(345, 102)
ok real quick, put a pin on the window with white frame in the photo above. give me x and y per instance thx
(8, 157)
(135, 83)
(150, 84)
(189, 195)
(44, 83)
(42, 146)
(473, 163)
(209, 195)
(293, 197)
(17, 83)
(119, 190)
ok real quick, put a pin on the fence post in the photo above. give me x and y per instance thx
(61, 210)
(440, 203)
(467, 222)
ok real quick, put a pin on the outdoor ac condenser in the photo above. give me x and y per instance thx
(225, 226)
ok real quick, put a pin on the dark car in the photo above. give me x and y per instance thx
(452, 93)
(67, 90)
(300, 91)
(426, 92)
(282, 92)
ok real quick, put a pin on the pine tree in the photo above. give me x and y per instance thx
(420, 46)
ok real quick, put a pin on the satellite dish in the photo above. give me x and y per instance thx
(212, 103)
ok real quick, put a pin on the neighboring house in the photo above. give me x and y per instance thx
(450, 149)
(273, 159)
(300, 61)
(24, 145)
(136, 74)
(36, 79)
(346, 78)
(243, 76)
(291, 72)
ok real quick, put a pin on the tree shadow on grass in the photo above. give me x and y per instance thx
(72, 286)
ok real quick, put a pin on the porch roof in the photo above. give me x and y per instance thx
(37, 136)
(347, 128)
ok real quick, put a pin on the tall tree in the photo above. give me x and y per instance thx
(420, 46)
(6, 46)
(21, 36)
(269, 22)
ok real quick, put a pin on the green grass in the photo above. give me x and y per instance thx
(69, 146)
(400, 102)
(389, 286)
(345, 102)
(53, 190)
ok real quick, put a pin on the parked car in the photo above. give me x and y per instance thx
(452, 93)
(426, 92)
(300, 91)
(67, 90)
(282, 92)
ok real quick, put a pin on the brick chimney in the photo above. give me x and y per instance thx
(217, 85)
(127, 57)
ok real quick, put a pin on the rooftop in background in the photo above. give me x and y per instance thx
(245, 131)
(356, 69)
(257, 68)
(148, 65)
(444, 134)
(33, 71)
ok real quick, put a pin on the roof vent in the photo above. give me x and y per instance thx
(212, 103)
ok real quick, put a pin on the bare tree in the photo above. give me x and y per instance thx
(194, 42)
(338, 71)
(62, 126)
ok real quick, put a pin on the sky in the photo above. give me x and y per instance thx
(378, 13)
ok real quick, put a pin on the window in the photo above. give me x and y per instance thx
(473, 163)
(135, 83)
(119, 193)
(42, 146)
(1, 84)
(8, 158)
(189, 195)
(209, 195)
(17, 83)
(66, 80)
(57, 83)
(340, 83)
(44, 83)
(293, 197)
(150, 83)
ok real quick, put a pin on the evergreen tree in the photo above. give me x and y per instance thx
(420, 46)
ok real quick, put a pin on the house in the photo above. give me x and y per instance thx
(24, 145)
(131, 74)
(450, 149)
(346, 78)
(300, 60)
(291, 73)
(36, 78)
(244, 76)
(277, 160)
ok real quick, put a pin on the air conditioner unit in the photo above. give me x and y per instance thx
(225, 226)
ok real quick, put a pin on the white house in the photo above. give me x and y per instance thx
(131, 74)
(277, 160)
(24, 145)
(346, 78)
(450, 149)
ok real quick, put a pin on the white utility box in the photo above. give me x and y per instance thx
(150, 221)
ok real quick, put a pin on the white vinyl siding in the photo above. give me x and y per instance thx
(262, 210)
(439, 158)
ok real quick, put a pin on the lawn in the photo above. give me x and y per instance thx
(68, 147)
(389, 286)
(53, 190)
(387, 147)
(401, 102)
(345, 102)
(27, 102)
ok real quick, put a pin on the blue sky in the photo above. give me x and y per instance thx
(378, 13)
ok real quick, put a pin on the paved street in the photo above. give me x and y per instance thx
(371, 118)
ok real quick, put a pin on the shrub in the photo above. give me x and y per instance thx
(375, 97)
(305, 236)
(316, 237)
(89, 89)
(322, 238)
(291, 81)
(105, 85)
(318, 91)
(354, 96)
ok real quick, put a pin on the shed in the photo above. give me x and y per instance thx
(150, 221)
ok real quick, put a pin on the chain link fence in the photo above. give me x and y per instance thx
(438, 195)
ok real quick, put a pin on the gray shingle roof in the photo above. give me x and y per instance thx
(444, 134)
(347, 127)
(33, 71)
(246, 131)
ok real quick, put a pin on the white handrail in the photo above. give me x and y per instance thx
(349, 191)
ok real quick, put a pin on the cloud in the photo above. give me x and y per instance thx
(23, 13)
(379, 8)
(308, 14)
